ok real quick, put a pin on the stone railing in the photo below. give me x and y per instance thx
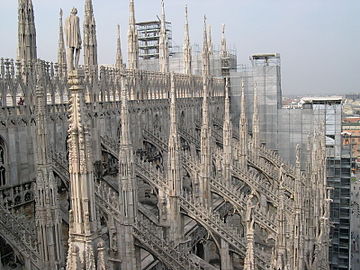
(258, 183)
(18, 83)
(230, 234)
(150, 235)
(188, 136)
(254, 159)
(250, 178)
(18, 195)
(156, 140)
(209, 220)
(146, 230)
(263, 151)
(231, 194)
(21, 238)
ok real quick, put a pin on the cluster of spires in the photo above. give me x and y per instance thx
(27, 50)
(80, 136)
(126, 171)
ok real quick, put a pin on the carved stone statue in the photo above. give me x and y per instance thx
(249, 218)
(73, 39)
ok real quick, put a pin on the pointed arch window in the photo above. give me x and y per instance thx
(2, 163)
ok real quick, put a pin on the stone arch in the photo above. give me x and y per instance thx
(3, 163)
(10, 257)
(151, 153)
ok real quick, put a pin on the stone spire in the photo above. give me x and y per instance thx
(47, 208)
(173, 172)
(27, 50)
(133, 46)
(205, 148)
(90, 41)
(280, 258)
(126, 166)
(61, 49)
(224, 55)
(127, 185)
(243, 132)
(256, 120)
(163, 43)
(298, 224)
(210, 44)
(249, 262)
(187, 47)
(82, 221)
(223, 51)
(205, 53)
(119, 58)
(227, 136)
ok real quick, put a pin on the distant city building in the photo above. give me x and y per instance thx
(355, 225)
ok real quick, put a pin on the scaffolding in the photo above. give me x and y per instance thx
(149, 36)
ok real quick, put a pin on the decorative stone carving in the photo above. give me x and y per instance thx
(73, 39)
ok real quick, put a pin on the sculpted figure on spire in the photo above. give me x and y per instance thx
(73, 39)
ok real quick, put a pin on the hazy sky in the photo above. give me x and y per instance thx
(319, 40)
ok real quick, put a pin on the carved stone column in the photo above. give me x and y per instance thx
(226, 263)
(47, 208)
(127, 187)
(82, 220)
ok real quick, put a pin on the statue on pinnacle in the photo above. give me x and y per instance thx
(73, 39)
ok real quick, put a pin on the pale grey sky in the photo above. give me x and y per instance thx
(319, 40)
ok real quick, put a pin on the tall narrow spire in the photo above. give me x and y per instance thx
(90, 40)
(27, 50)
(83, 222)
(119, 58)
(256, 120)
(163, 42)
(205, 52)
(133, 46)
(187, 47)
(173, 172)
(223, 52)
(298, 223)
(210, 44)
(224, 55)
(46, 198)
(227, 135)
(127, 184)
(243, 139)
(61, 49)
(280, 254)
(205, 149)
(249, 262)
